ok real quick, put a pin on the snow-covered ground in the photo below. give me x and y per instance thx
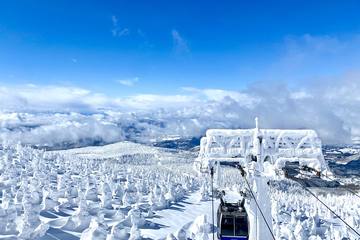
(93, 193)
(129, 152)
(298, 215)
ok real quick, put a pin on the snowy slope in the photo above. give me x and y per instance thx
(130, 152)
(88, 193)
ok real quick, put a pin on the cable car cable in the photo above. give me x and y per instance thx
(253, 195)
(346, 188)
(262, 214)
(313, 194)
(212, 201)
(332, 211)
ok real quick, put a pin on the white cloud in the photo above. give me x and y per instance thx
(242, 98)
(121, 32)
(56, 98)
(129, 82)
(301, 94)
(309, 57)
(56, 129)
(114, 20)
(141, 33)
(55, 114)
(154, 102)
(116, 30)
(180, 44)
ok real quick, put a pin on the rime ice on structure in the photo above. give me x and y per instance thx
(251, 148)
(277, 147)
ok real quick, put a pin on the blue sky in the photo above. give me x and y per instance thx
(122, 48)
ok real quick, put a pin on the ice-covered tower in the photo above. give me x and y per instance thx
(260, 227)
(275, 146)
(257, 143)
(251, 148)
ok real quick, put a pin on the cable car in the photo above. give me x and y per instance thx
(232, 221)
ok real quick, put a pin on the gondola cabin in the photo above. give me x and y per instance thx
(232, 221)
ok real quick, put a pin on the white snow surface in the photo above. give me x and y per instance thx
(59, 195)
(130, 152)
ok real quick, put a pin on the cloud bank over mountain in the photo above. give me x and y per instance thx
(56, 115)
